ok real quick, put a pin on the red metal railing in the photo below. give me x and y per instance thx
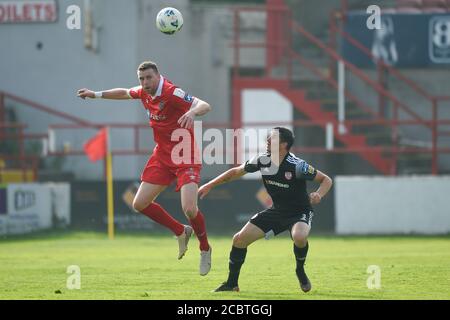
(40, 107)
(355, 70)
(21, 160)
(382, 67)
(384, 94)
(377, 86)
(136, 149)
(278, 46)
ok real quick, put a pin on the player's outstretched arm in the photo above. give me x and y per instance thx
(325, 186)
(227, 176)
(115, 94)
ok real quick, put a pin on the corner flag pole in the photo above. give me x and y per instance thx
(109, 186)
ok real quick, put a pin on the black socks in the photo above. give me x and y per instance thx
(300, 257)
(237, 258)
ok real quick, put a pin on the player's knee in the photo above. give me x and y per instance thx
(190, 210)
(300, 240)
(139, 204)
(238, 241)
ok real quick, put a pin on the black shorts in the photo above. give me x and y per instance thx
(273, 221)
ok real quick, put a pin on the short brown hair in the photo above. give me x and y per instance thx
(148, 65)
(286, 135)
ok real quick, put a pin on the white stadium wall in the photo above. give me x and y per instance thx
(392, 205)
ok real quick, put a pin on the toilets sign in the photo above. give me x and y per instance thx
(44, 11)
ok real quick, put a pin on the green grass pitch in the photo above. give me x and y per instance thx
(146, 267)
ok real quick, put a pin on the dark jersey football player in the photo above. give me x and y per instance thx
(284, 175)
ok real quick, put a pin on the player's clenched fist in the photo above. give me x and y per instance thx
(314, 197)
(86, 93)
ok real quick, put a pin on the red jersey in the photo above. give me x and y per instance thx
(164, 110)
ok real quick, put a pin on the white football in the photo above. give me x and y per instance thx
(169, 20)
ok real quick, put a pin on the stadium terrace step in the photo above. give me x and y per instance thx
(312, 110)
(416, 158)
(412, 163)
(316, 90)
(378, 138)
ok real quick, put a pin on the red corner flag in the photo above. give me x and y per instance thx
(95, 148)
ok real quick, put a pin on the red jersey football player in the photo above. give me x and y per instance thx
(171, 113)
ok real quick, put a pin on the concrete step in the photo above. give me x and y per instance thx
(315, 89)
(379, 138)
(422, 157)
(352, 112)
(302, 71)
(313, 54)
(414, 163)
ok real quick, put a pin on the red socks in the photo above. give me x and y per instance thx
(155, 212)
(198, 224)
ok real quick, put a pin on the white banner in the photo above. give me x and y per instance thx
(32, 206)
(29, 208)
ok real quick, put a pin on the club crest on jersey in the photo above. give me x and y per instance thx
(288, 175)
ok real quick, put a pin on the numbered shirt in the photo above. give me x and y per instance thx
(164, 110)
(285, 184)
